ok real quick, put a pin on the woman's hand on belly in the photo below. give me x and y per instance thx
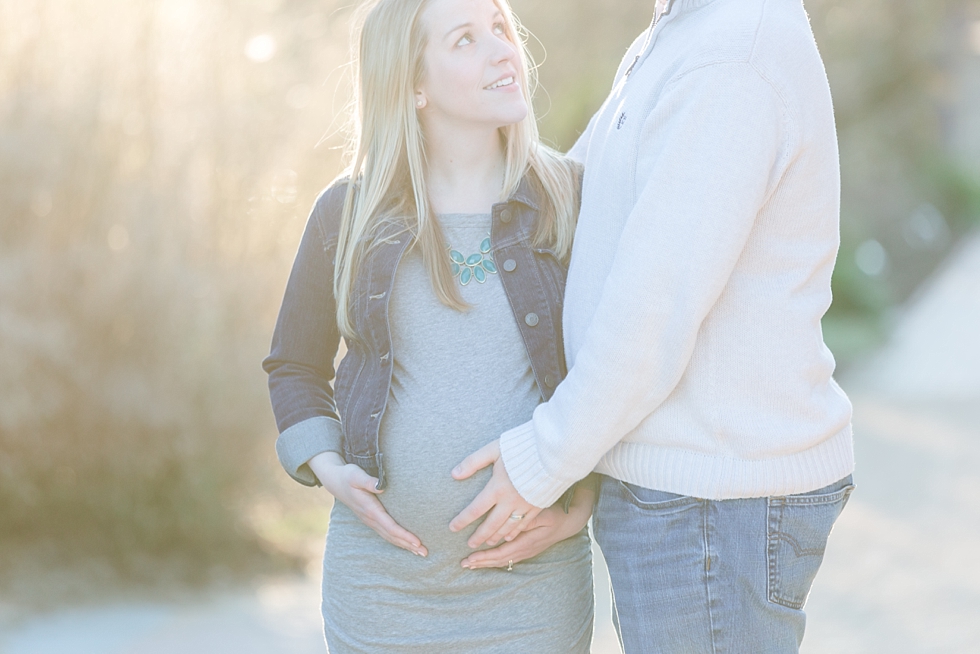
(357, 490)
(549, 527)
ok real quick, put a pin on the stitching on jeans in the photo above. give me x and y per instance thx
(799, 549)
(802, 500)
(707, 574)
(681, 501)
(771, 544)
(773, 537)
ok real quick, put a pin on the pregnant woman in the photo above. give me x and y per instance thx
(440, 260)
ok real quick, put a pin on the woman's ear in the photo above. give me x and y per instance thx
(420, 100)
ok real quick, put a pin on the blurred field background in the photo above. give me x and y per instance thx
(157, 162)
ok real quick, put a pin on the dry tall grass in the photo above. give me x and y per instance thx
(156, 166)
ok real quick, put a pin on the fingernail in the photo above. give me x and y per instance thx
(466, 565)
(509, 538)
(456, 470)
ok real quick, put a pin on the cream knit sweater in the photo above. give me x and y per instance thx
(701, 270)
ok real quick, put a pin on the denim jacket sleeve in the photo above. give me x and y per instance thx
(304, 344)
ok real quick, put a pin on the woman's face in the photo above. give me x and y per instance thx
(471, 66)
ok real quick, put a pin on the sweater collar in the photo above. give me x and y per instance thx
(683, 6)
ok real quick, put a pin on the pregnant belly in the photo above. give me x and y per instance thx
(423, 497)
(423, 438)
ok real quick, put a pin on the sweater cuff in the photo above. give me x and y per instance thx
(305, 440)
(519, 452)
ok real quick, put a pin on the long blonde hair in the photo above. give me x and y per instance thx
(386, 150)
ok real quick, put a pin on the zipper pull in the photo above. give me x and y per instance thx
(658, 14)
(630, 69)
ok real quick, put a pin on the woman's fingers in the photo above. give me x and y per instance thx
(362, 480)
(483, 457)
(358, 490)
(395, 534)
(361, 498)
(527, 545)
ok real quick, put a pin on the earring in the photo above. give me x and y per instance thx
(420, 104)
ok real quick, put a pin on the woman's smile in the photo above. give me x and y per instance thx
(508, 83)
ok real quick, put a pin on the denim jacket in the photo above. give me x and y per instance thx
(314, 417)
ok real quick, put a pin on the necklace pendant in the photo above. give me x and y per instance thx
(476, 266)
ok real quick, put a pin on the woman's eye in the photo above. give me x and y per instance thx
(499, 28)
(466, 40)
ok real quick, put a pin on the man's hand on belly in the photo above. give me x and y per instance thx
(499, 500)
(551, 526)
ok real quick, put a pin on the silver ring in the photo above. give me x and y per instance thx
(510, 565)
(516, 516)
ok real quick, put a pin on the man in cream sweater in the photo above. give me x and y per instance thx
(699, 385)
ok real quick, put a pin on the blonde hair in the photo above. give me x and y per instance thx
(386, 150)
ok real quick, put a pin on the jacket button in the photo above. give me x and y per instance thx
(510, 265)
(531, 319)
(506, 215)
(549, 381)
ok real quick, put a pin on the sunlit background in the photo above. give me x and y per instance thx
(157, 162)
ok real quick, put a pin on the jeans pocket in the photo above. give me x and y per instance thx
(650, 499)
(798, 529)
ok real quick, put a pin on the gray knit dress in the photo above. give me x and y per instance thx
(460, 379)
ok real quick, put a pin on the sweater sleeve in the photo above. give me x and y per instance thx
(677, 250)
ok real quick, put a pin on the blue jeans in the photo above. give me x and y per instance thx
(693, 576)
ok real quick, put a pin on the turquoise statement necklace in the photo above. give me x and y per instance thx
(476, 266)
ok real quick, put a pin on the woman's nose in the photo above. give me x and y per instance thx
(503, 51)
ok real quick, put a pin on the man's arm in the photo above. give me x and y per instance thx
(715, 160)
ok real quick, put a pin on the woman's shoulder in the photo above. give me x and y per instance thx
(561, 166)
(329, 207)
